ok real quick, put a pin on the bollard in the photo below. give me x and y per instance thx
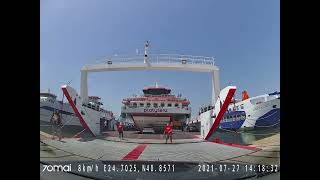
(236, 136)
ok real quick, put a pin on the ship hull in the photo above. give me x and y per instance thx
(67, 116)
(263, 115)
(157, 121)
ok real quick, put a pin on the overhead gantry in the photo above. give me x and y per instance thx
(165, 62)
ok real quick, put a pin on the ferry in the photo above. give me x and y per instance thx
(49, 104)
(155, 108)
(250, 113)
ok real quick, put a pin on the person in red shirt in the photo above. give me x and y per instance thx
(168, 132)
(120, 130)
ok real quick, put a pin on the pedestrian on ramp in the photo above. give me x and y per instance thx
(168, 133)
(120, 130)
(56, 125)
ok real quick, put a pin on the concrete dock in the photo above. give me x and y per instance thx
(111, 149)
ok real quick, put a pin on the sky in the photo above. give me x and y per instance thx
(243, 37)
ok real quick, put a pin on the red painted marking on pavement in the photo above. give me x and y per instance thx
(135, 153)
(238, 146)
(83, 123)
(221, 113)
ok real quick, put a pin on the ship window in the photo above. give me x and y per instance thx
(148, 104)
(169, 105)
(176, 105)
(155, 104)
(162, 104)
(241, 106)
(134, 104)
(141, 104)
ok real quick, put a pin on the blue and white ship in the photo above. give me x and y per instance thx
(257, 112)
(248, 113)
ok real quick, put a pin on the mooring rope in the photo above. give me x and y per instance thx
(79, 132)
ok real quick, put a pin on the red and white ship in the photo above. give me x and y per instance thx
(155, 108)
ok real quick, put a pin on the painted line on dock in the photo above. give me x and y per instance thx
(238, 146)
(135, 153)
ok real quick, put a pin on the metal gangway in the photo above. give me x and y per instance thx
(160, 58)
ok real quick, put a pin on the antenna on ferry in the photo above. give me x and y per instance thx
(146, 46)
(156, 85)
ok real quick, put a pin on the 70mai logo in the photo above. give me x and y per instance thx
(57, 168)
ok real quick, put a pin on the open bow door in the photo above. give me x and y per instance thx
(210, 120)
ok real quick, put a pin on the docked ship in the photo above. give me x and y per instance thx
(49, 104)
(250, 113)
(155, 108)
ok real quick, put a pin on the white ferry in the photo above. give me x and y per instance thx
(49, 104)
(155, 108)
(256, 112)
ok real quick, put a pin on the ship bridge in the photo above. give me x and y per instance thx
(174, 62)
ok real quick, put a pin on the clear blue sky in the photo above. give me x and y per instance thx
(243, 36)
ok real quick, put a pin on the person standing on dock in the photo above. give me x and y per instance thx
(168, 133)
(120, 130)
(56, 125)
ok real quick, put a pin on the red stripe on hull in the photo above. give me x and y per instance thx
(221, 113)
(83, 123)
(153, 115)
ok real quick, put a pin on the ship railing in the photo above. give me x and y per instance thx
(143, 99)
(172, 107)
(160, 58)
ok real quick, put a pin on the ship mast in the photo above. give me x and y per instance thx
(146, 46)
